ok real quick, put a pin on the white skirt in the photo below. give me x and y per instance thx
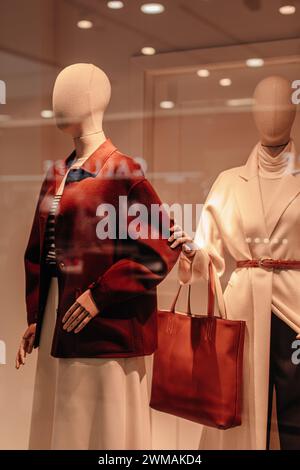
(88, 403)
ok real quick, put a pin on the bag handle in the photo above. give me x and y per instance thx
(214, 289)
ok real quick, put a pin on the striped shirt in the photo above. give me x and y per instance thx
(50, 226)
(50, 232)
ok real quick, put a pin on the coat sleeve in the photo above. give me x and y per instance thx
(32, 260)
(141, 263)
(208, 239)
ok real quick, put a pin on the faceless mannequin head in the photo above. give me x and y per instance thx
(80, 96)
(274, 112)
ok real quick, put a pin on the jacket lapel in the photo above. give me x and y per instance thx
(287, 191)
(249, 201)
(92, 165)
(256, 223)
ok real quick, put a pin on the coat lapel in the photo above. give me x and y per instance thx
(92, 165)
(249, 200)
(288, 189)
(256, 223)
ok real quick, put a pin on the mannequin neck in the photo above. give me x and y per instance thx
(85, 145)
(274, 151)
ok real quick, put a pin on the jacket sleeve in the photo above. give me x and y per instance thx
(209, 241)
(141, 263)
(32, 261)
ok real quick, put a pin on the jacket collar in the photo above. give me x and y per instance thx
(250, 169)
(96, 160)
(92, 164)
(256, 223)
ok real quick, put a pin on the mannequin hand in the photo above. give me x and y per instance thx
(182, 238)
(77, 317)
(26, 345)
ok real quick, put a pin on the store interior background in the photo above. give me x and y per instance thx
(187, 128)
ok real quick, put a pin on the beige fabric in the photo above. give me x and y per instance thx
(233, 226)
(88, 403)
(271, 170)
(45, 380)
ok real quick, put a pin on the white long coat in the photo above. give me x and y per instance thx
(233, 221)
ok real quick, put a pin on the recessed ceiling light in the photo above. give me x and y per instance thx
(152, 8)
(225, 82)
(287, 9)
(203, 73)
(167, 104)
(47, 113)
(148, 50)
(85, 24)
(255, 62)
(115, 5)
(235, 102)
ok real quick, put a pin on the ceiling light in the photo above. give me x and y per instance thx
(255, 62)
(167, 104)
(84, 24)
(47, 113)
(235, 102)
(152, 8)
(225, 82)
(203, 73)
(287, 9)
(148, 50)
(115, 5)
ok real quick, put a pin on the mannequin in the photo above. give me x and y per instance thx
(89, 88)
(90, 302)
(81, 95)
(274, 113)
(251, 215)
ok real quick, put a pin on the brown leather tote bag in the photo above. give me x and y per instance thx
(198, 366)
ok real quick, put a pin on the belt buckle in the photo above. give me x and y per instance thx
(262, 262)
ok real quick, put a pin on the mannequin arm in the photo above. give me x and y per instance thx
(141, 264)
(209, 241)
(32, 261)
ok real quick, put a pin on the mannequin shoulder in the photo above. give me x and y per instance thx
(125, 165)
(228, 176)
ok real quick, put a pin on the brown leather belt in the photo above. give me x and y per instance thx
(269, 263)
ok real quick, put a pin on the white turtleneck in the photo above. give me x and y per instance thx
(271, 170)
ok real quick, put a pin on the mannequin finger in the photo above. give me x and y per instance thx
(175, 228)
(30, 345)
(180, 241)
(176, 234)
(70, 311)
(18, 361)
(17, 364)
(83, 323)
(189, 248)
(77, 320)
(72, 317)
(27, 334)
(22, 354)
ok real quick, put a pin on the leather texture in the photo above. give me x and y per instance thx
(269, 263)
(198, 366)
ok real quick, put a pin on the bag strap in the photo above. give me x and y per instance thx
(214, 289)
(211, 291)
